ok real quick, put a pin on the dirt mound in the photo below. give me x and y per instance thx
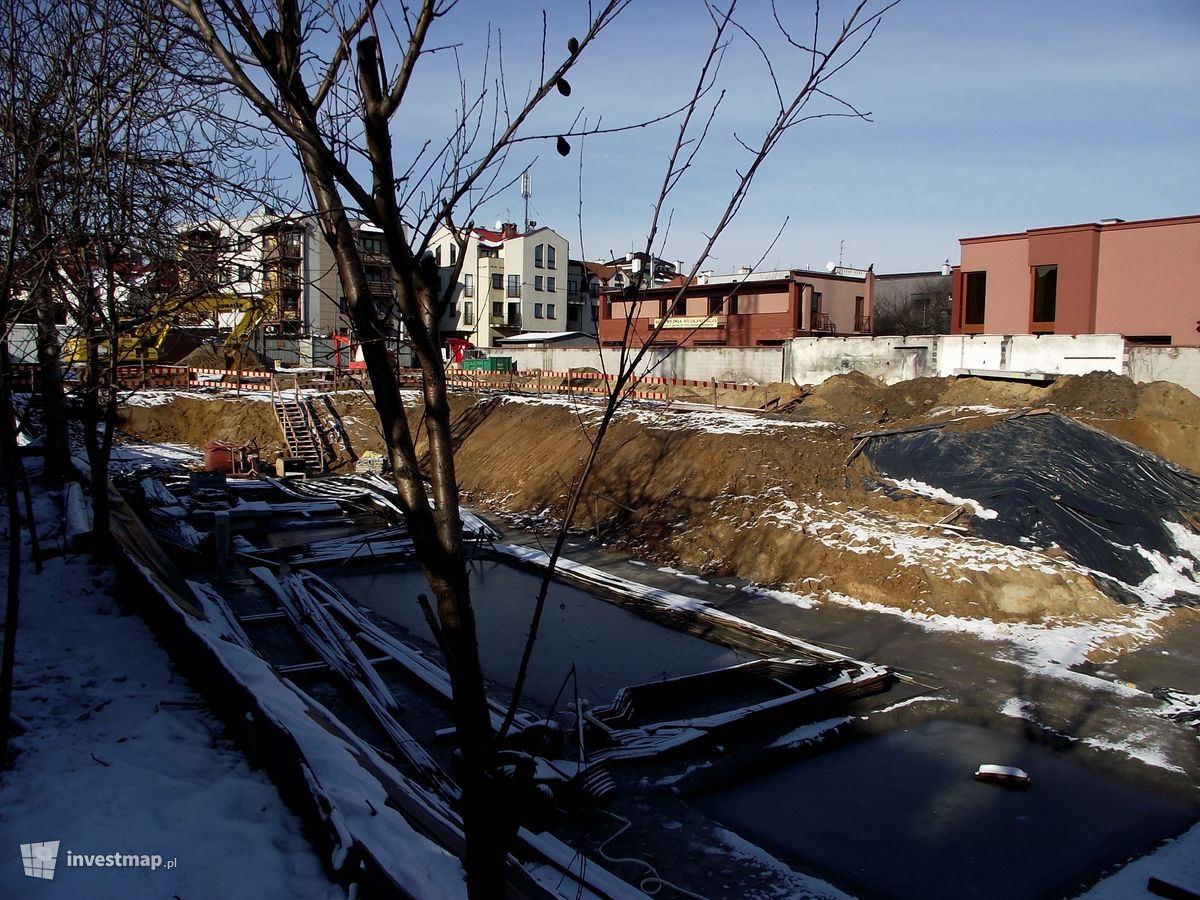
(211, 356)
(992, 392)
(196, 421)
(1095, 394)
(846, 399)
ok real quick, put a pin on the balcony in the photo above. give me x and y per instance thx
(862, 324)
(509, 321)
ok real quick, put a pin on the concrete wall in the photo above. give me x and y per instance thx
(1180, 365)
(1067, 354)
(890, 359)
(287, 351)
(747, 365)
(22, 344)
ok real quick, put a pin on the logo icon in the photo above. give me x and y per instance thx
(39, 859)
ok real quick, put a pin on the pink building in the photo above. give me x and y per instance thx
(1138, 279)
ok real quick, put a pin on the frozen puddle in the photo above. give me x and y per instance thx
(900, 815)
(609, 647)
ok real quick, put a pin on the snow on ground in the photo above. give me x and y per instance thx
(866, 531)
(982, 409)
(122, 757)
(657, 415)
(1177, 862)
(921, 489)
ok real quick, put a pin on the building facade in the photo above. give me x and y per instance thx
(279, 271)
(1138, 279)
(759, 309)
(509, 283)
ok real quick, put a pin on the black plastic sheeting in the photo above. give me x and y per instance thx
(1053, 481)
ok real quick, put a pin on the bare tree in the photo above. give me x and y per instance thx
(116, 141)
(336, 79)
(916, 305)
(111, 139)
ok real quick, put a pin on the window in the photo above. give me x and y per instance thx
(514, 286)
(593, 288)
(452, 311)
(1045, 294)
(244, 273)
(497, 280)
(468, 285)
(243, 242)
(537, 282)
(497, 309)
(453, 253)
(468, 312)
(550, 257)
(974, 299)
(550, 283)
(715, 305)
(549, 310)
(572, 287)
(537, 310)
(537, 255)
(437, 254)
(370, 244)
(374, 275)
(573, 315)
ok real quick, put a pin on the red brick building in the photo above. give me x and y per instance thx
(759, 309)
(1139, 279)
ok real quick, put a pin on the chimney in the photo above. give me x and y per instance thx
(743, 270)
(508, 230)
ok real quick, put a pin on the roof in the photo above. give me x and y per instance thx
(541, 337)
(603, 271)
(1102, 225)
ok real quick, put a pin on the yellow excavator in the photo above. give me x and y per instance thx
(135, 342)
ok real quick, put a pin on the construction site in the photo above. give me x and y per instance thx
(879, 640)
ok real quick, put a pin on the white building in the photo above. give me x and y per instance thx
(509, 283)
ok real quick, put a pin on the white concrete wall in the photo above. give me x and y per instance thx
(1180, 365)
(890, 359)
(22, 343)
(969, 351)
(745, 365)
(1067, 354)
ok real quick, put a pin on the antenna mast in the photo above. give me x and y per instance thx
(526, 190)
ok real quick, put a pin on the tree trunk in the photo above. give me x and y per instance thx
(50, 387)
(8, 440)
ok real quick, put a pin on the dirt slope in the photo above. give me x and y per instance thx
(768, 499)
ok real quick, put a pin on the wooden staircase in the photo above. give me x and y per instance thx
(299, 434)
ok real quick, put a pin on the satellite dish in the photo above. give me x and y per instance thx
(499, 225)
(830, 266)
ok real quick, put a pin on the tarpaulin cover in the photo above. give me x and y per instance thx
(1053, 481)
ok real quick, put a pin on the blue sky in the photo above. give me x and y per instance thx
(987, 117)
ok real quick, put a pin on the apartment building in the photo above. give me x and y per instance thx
(510, 283)
(276, 270)
(744, 309)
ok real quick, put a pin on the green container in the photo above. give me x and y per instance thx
(489, 364)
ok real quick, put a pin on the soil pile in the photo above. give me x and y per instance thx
(212, 356)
